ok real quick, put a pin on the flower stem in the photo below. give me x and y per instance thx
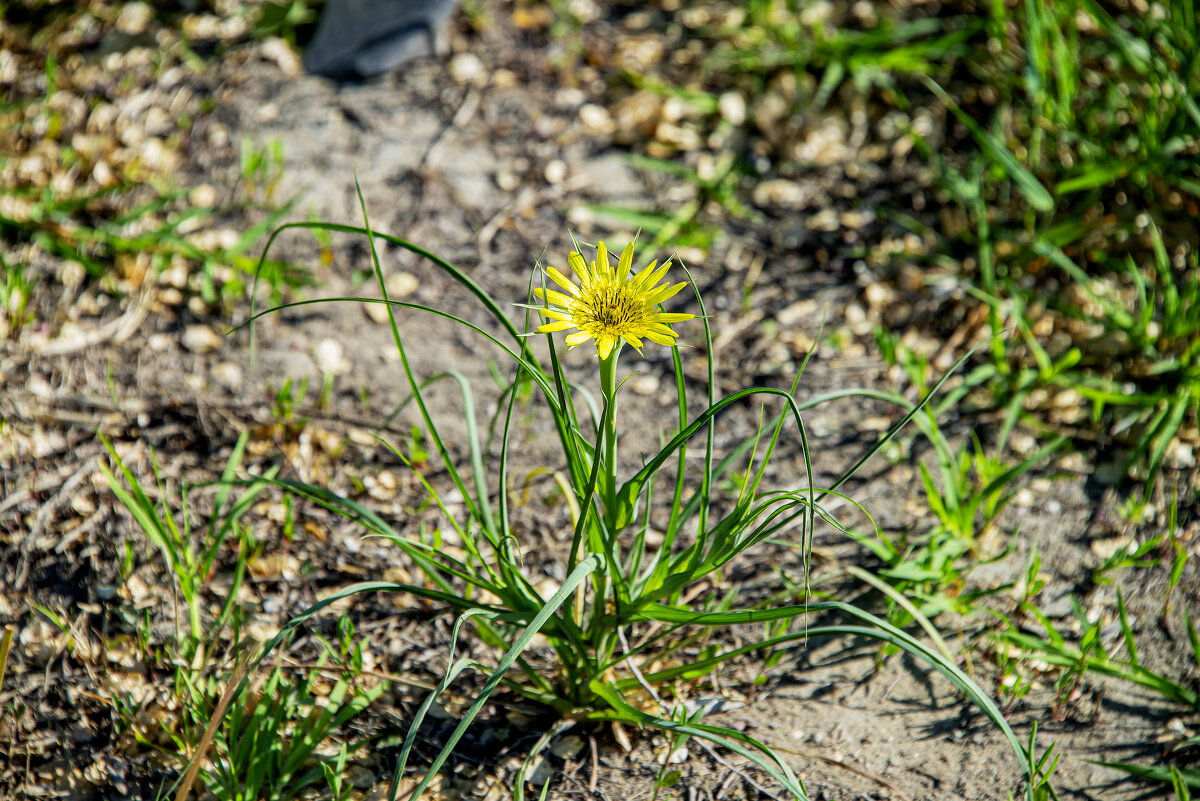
(608, 387)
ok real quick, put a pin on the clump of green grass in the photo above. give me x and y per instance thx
(1086, 647)
(263, 744)
(291, 20)
(16, 288)
(1074, 657)
(1087, 165)
(966, 489)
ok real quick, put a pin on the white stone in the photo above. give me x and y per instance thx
(401, 285)
(645, 384)
(229, 375)
(556, 171)
(732, 108)
(596, 118)
(330, 356)
(567, 747)
(134, 18)
(1180, 456)
(467, 68)
(203, 195)
(201, 339)
(278, 50)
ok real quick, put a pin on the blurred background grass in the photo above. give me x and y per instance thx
(1035, 164)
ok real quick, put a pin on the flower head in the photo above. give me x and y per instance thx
(610, 305)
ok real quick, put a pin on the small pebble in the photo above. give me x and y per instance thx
(158, 342)
(678, 756)
(854, 219)
(503, 78)
(71, 274)
(467, 68)
(330, 357)
(134, 18)
(283, 54)
(377, 312)
(401, 285)
(541, 773)
(596, 118)
(824, 220)
(201, 339)
(878, 295)
(732, 108)
(567, 747)
(1106, 547)
(261, 631)
(1180, 456)
(507, 181)
(644, 384)
(569, 97)
(228, 375)
(203, 195)
(556, 172)
(360, 777)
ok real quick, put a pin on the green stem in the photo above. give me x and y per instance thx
(608, 387)
(607, 479)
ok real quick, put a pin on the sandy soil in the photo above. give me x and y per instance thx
(432, 149)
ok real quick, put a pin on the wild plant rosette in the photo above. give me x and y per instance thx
(625, 581)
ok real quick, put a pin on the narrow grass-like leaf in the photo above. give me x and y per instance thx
(726, 738)
(1096, 661)
(1030, 187)
(1158, 773)
(581, 572)
(454, 669)
(924, 622)
(876, 628)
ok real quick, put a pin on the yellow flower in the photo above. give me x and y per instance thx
(610, 305)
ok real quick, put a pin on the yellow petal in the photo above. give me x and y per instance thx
(662, 270)
(654, 277)
(558, 298)
(559, 279)
(625, 265)
(580, 268)
(600, 286)
(640, 281)
(662, 293)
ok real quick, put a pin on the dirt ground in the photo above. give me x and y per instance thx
(487, 160)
